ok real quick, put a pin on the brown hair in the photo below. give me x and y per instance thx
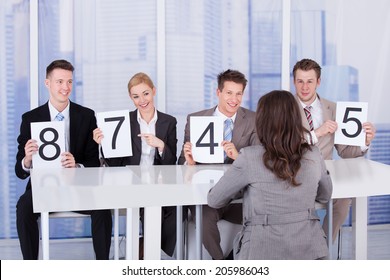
(307, 65)
(61, 64)
(231, 76)
(280, 131)
(140, 78)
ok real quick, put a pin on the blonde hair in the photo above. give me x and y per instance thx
(140, 78)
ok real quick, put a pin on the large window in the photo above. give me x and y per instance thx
(191, 41)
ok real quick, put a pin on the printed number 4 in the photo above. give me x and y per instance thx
(211, 143)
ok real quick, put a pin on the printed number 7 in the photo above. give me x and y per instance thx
(347, 119)
(211, 144)
(120, 120)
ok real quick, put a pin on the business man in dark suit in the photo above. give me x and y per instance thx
(81, 151)
(153, 137)
(231, 86)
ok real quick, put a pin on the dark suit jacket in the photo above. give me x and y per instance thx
(82, 146)
(165, 130)
(244, 130)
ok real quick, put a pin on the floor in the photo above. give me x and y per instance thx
(81, 249)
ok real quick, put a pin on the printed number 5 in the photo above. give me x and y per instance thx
(211, 144)
(347, 119)
(120, 120)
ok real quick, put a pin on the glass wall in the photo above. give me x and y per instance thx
(110, 40)
(354, 57)
(14, 101)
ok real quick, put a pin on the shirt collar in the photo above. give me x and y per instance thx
(140, 119)
(54, 112)
(314, 104)
(218, 113)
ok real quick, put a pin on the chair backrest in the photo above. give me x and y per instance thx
(67, 214)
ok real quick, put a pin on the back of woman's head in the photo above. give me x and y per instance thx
(280, 131)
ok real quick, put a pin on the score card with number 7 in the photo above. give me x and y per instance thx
(115, 126)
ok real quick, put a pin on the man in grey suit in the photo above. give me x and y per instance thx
(307, 77)
(231, 86)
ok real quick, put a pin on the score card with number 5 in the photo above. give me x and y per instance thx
(350, 117)
(206, 136)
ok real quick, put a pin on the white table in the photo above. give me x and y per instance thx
(75, 189)
(358, 179)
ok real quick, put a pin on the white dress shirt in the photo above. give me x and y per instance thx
(317, 116)
(148, 152)
(65, 113)
(218, 113)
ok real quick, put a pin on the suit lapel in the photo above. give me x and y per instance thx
(239, 127)
(135, 130)
(161, 126)
(327, 112)
(44, 113)
(74, 126)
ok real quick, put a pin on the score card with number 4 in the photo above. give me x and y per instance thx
(206, 136)
(350, 117)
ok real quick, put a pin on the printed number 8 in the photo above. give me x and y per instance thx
(47, 143)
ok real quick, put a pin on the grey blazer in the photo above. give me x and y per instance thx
(244, 133)
(278, 222)
(326, 143)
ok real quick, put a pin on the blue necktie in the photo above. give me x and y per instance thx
(228, 130)
(227, 134)
(59, 117)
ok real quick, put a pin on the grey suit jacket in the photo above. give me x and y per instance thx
(326, 143)
(244, 133)
(264, 193)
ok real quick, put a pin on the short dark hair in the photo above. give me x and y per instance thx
(307, 64)
(233, 76)
(61, 63)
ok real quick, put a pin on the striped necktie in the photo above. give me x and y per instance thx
(227, 135)
(60, 117)
(307, 110)
(228, 130)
